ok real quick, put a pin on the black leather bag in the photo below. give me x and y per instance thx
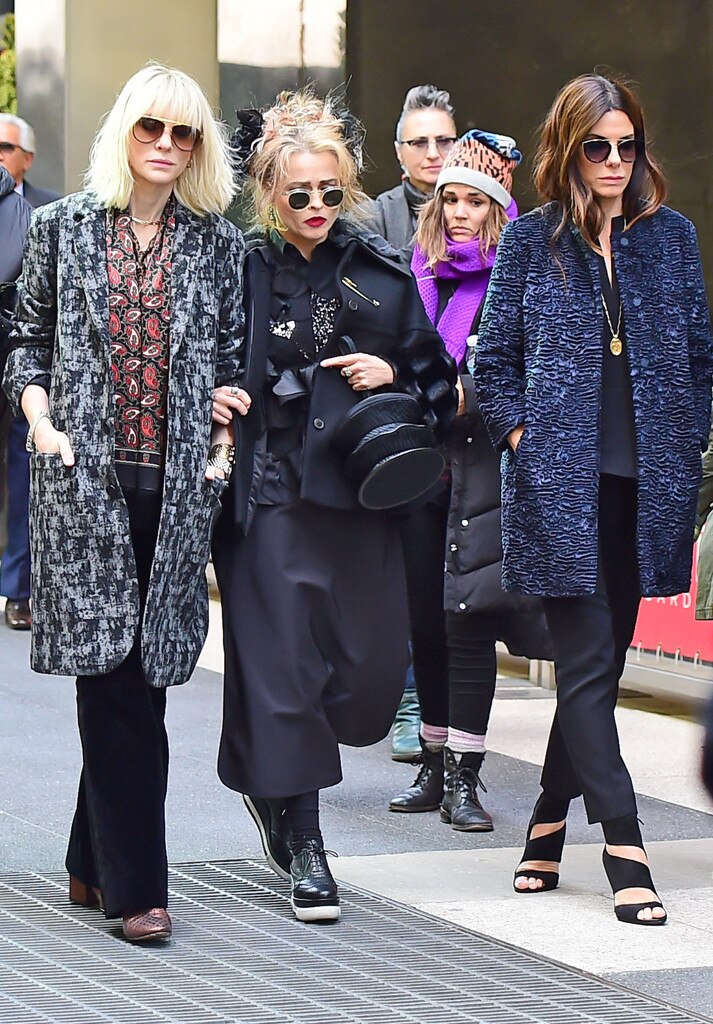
(388, 450)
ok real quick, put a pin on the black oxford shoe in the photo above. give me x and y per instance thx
(315, 896)
(271, 820)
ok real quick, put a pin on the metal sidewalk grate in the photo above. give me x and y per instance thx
(239, 956)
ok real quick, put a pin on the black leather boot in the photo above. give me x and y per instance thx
(315, 896)
(427, 791)
(461, 808)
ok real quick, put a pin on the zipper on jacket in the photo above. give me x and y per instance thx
(350, 284)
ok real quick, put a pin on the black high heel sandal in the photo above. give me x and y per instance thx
(624, 873)
(549, 847)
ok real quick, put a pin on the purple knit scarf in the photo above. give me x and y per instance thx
(471, 269)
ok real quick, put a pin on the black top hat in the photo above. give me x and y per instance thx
(388, 449)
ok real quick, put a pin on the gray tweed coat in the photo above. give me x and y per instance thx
(85, 591)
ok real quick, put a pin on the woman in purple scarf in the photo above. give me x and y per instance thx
(456, 623)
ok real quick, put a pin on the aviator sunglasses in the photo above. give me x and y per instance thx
(150, 129)
(598, 150)
(300, 198)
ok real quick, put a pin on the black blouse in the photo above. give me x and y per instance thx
(305, 299)
(617, 435)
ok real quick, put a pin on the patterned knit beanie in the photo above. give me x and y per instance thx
(485, 161)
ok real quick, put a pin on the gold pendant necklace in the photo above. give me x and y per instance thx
(616, 346)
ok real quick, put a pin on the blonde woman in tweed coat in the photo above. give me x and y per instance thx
(128, 315)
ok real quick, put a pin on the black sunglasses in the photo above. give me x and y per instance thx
(598, 150)
(150, 129)
(300, 198)
(10, 147)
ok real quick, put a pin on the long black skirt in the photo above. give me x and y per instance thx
(315, 630)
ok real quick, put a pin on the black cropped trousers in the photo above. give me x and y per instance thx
(591, 635)
(117, 842)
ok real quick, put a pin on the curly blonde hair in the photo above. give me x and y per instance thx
(431, 229)
(300, 122)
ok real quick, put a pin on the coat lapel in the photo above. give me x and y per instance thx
(90, 246)
(188, 244)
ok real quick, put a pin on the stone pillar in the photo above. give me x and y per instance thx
(73, 56)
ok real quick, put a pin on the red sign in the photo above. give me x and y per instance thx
(669, 623)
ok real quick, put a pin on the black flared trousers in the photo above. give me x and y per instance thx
(118, 841)
(591, 635)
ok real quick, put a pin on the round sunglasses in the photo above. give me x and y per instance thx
(300, 198)
(598, 150)
(150, 129)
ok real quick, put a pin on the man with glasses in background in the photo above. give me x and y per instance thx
(17, 151)
(425, 134)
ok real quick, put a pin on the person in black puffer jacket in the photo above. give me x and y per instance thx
(455, 249)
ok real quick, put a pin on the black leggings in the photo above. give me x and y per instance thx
(423, 536)
(473, 667)
(454, 659)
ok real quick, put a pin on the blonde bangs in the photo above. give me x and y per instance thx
(206, 186)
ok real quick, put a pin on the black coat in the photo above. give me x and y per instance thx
(382, 312)
(39, 196)
(473, 542)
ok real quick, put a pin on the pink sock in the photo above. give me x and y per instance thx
(434, 736)
(465, 742)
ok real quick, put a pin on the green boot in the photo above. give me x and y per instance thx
(405, 745)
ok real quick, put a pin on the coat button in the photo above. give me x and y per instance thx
(469, 440)
(454, 547)
(353, 304)
(464, 522)
(462, 606)
(318, 424)
(624, 242)
(637, 300)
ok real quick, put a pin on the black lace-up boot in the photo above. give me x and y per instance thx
(461, 807)
(315, 896)
(427, 791)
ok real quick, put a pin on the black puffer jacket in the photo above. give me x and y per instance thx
(473, 544)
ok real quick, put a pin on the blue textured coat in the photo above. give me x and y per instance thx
(539, 363)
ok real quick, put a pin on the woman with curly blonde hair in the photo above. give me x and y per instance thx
(128, 316)
(314, 607)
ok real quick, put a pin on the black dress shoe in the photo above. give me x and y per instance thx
(273, 826)
(18, 614)
(315, 896)
(461, 807)
(427, 791)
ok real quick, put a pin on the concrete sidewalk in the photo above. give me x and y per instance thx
(414, 859)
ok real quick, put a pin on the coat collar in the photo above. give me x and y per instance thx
(344, 233)
(90, 243)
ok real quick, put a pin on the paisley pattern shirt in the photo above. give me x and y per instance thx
(139, 328)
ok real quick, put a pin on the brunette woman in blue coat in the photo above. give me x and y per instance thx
(593, 373)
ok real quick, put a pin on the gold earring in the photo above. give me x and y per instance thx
(274, 220)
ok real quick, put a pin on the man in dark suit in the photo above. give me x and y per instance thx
(17, 151)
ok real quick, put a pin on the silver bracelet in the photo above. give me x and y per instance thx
(30, 442)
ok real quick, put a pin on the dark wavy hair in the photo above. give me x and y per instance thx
(576, 109)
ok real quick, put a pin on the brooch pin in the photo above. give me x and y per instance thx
(282, 328)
